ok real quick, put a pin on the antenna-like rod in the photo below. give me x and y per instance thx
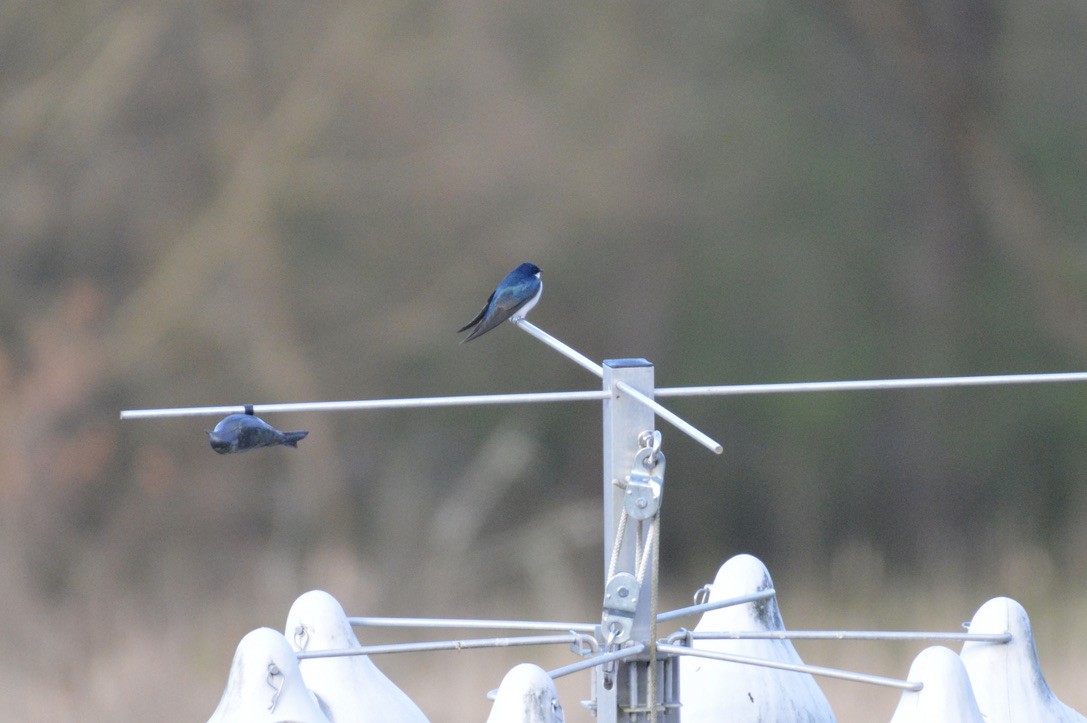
(357, 404)
(677, 421)
(571, 353)
(561, 347)
(867, 384)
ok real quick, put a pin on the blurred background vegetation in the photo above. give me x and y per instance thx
(243, 202)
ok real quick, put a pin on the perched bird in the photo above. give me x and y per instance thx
(514, 297)
(241, 432)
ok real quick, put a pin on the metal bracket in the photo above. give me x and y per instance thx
(584, 645)
(644, 484)
(620, 604)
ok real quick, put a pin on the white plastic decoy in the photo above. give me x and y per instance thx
(946, 697)
(1007, 677)
(350, 689)
(265, 685)
(713, 690)
(527, 695)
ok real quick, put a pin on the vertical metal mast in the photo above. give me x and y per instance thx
(624, 421)
(633, 689)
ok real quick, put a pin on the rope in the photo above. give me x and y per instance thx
(620, 531)
(651, 678)
(646, 551)
(645, 543)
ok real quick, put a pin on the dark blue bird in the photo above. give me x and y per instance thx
(242, 432)
(515, 296)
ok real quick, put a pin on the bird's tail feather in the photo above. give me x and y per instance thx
(291, 439)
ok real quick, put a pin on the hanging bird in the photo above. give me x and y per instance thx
(241, 432)
(514, 297)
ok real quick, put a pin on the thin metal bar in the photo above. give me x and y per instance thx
(683, 426)
(867, 384)
(621, 654)
(592, 395)
(436, 645)
(532, 397)
(559, 346)
(597, 369)
(793, 667)
(465, 624)
(588, 663)
(703, 607)
(844, 635)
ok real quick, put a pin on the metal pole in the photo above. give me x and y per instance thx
(472, 624)
(362, 404)
(779, 665)
(645, 398)
(706, 607)
(565, 349)
(681, 424)
(435, 645)
(597, 660)
(874, 384)
(624, 421)
(841, 635)
(623, 691)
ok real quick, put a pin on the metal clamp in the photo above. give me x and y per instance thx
(620, 604)
(644, 484)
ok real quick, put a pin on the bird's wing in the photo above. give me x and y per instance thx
(505, 304)
(479, 316)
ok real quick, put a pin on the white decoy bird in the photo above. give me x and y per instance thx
(1007, 678)
(350, 689)
(265, 685)
(527, 695)
(713, 690)
(947, 696)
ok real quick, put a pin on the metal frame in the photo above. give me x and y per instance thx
(635, 674)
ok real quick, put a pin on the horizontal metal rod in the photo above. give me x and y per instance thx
(715, 605)
(621, 654)
(679, 423)
(868, 384)
(437, 645)
(845, 635)
(564, 349)
(598, 370)
(594, 395)
(793, 667)
(532, 397)
(585, 664)
(466, 624)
